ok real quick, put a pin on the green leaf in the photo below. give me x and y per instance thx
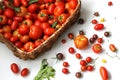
(54, 24)
(33, 1)
(45, 71)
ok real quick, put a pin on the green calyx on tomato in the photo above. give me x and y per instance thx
(1, 19)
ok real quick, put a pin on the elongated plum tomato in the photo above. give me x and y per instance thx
(14, 67)
(35, 32)
(81, 42)
(99, 26)
(104, 73)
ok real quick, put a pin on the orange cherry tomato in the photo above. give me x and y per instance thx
(81, 42)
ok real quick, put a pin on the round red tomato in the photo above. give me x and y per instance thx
(35, 32)
(28, 15)
(73, 4)
(38, 42)
(32, 8)
(37, 23)
(7, 35)
(7, 28)
(24, 38)
(51, 9)
(45, 25)
(19, 44)
(62, 18)
(43, 16)
(17, 3)
(3, 19)
(24, 2)
(52, 19)
(27, 22)
(29, 46)
(59, 10)
(18, 18)
(23, 29)
(97, 48)
(14, 25)
(49, 31)
(14, 39)
(9, 13)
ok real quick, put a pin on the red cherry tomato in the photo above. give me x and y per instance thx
(14, 68)
(9, 13)
(78, 55)
(99, 26)
(97, 48)
(24, 72)
(100, 40)
(35, 32)
(71, 50)
(88, 59)
(104, 73)
(94, 21)
(71, 36)
(37, 23)
(17, 3)
(65, 64)
(83, 63)
(84, 68)
(90, 68)
(65, 70)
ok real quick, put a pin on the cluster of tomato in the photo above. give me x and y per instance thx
(28, 23)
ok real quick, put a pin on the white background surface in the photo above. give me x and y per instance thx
(112, 24)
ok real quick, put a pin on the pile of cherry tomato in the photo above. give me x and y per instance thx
(28, 23)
